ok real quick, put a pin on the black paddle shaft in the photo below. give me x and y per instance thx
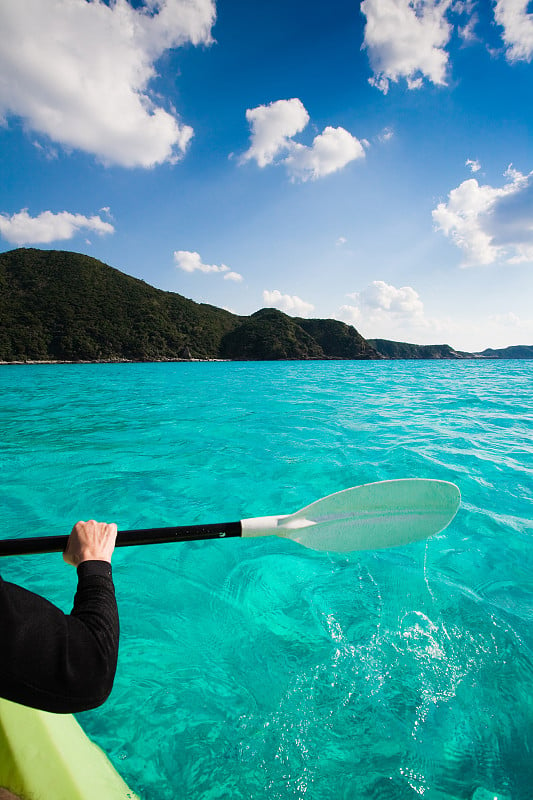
(184, 533)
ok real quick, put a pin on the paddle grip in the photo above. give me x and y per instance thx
(183, 533)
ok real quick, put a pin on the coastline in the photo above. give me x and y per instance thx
(112, 361)
(459, 356)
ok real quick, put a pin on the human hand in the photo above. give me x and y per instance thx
(90, 541)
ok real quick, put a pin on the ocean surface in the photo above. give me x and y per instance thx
(254, 669)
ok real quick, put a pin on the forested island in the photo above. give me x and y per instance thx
(61, 306)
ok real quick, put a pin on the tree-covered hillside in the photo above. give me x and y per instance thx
(67, 306)
(404, 350)
(57, 305)
(339, 340)
(515, 351)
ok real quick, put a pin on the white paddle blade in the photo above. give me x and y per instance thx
(368, 517)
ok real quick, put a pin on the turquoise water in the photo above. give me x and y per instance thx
(259, 669)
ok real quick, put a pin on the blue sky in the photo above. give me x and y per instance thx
(369, 162)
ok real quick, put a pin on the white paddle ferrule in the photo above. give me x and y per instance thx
(261, 526)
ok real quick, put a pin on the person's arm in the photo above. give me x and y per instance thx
(59, 662)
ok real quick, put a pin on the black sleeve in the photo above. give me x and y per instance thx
(55, 661)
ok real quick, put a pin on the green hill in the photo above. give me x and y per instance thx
(62, 306)
(404, 350)
(339, 340)
(269, 335)
(66, 306)
(515, 351)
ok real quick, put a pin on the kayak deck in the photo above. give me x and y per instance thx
(49, 757)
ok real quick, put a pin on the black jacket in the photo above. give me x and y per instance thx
(55, 661)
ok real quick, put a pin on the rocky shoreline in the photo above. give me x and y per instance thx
(32, 362)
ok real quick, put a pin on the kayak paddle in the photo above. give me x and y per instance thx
(368, 517)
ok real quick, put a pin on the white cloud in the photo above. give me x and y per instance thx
(467, 32)
(21, 229)
(406, 39)
(509, 320)
(386, 135)
(190, 261)
(341, 241)
(272, 141)
(382, 311)
(331, 150)
(517, 25)
(472, 334)
(50, 153)
(289, 303)
(273, 127)
(381, 296)
(233, 276)
(474, 164)
(350, 314)
(490, 224)
(478, 332)
(509, 327)
(79, 73)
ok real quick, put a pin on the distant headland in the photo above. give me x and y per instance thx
(58, 306)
